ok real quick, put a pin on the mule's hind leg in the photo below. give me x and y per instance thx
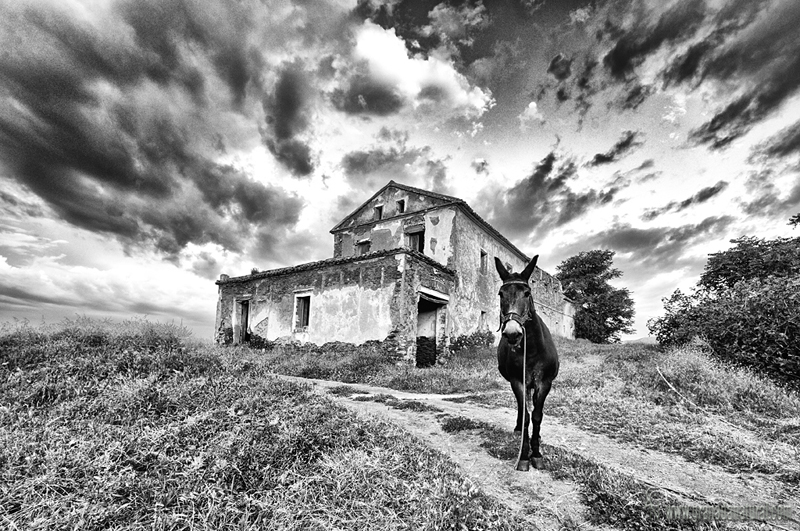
(540, 394)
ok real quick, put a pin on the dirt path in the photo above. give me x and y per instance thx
(537, 497)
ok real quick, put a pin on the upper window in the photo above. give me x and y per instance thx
(484, 261)
(362, 247)
(401, 206)
(377, 212)
(416, 241)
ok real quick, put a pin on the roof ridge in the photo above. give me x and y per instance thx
(426, 192)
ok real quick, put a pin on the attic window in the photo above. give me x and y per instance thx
(401, 206)
(362, 247)
(378, 212)
(484, 260)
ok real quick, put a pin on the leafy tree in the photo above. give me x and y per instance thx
(794, 221)
(749, 259)
(603, 312)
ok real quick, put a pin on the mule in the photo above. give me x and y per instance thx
(525, 342)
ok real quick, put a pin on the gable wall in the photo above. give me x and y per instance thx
(477, 291)
(391, 234)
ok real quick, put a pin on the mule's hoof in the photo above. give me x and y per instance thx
(538, 463)
(523, 465)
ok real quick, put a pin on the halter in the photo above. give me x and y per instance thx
(521, 319)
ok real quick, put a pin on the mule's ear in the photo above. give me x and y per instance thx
(526, 273)
(504, 274)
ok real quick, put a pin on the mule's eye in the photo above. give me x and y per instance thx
(527, 293)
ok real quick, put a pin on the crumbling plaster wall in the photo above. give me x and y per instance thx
(390, 232)
(418, 274)
(350, 302)
(477, 290)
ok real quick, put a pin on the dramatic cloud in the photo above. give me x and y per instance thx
(385, 80)
(391, 158)
(676, 206)
(545, 200)
(784, 144)
(481, 166)
(679, 22)
(456, 25)
(767, 199)
(560, 67)
(109, 122)
(658, 248)
(627, 142)
(287, 117)
(530, 116)
(749, 46)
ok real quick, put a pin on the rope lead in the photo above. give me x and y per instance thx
(524, 400)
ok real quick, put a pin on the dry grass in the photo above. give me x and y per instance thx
(108, 428)
(707, 412)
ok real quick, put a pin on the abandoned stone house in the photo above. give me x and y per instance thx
(408, 263)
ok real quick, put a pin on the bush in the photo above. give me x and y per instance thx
(754, 324)
(474, 343)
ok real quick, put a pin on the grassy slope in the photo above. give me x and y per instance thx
(714, 414)
(125, 426)
(683, 402)
(112, 427)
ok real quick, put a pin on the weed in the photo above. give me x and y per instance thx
(452, 424)
(345, 390)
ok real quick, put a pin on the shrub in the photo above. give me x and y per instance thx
(471, 344)
(754, 324)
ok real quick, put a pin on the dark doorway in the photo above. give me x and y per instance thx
(427, 331)
(244, 321)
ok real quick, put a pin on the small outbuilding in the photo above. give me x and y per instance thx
(409, 266)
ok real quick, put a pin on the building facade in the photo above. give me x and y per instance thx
(408, 263)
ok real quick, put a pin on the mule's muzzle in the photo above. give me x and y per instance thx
(512, 331)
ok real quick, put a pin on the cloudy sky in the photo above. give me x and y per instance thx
(146, 146)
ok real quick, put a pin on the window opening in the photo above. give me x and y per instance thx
(401, 206)
(416, 241)
(303, 311)
(484, 260)
(362, 248)
(378, 212)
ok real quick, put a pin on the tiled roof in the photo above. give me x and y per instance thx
(337, 261)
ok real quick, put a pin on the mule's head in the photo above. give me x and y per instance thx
(516, 303)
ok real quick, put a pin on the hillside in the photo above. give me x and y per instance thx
(134, 426)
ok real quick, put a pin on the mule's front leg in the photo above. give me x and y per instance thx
(519, 395)
(537, 401)
(523, 421)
